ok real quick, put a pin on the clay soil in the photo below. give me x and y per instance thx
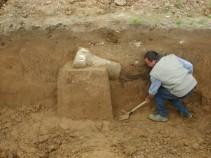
(34, 130)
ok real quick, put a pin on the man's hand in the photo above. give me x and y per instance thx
(149, 98)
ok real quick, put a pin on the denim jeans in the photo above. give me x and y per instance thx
(162, 96)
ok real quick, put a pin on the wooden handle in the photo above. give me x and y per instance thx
(138, 106)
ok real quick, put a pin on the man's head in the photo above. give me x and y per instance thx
(151, 58)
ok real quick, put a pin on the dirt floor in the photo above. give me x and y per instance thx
(36, 131)
(39, 37)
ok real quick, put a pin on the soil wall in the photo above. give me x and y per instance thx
(30, 61)
(2, 2)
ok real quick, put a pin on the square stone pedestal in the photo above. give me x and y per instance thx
(84, 93)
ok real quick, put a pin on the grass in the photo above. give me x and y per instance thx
(178, 23)
(209, 16)
(135, 21)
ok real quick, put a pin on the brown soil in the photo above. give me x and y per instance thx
(2, 2)
(36, 131)
(36, 42)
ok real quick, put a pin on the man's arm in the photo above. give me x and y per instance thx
(186, 64)
(153, 89)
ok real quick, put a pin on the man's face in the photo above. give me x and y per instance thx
(149, 63)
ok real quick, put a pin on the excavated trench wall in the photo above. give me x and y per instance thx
(2, 2)
(30, 61)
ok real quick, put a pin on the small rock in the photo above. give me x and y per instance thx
(147, 151)
(52, 148)
(173, 151)
(136, 62)
(181, 42)
(101, 43)
(185, 143)
(48, 2)
(196, 146)
(138, 44)
(120, 2)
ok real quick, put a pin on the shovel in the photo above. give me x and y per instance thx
(127, 114)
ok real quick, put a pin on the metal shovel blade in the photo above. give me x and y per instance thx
(127, 115)
(124, 116)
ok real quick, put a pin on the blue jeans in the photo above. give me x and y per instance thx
(162, 96)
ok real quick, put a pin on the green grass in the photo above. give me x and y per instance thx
(209, 16)
(135, 21)
(178, 23)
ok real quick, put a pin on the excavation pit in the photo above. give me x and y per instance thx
(49, 109)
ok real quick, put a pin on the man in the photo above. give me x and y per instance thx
(171, 79)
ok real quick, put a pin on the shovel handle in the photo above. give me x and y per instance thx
(138, 106)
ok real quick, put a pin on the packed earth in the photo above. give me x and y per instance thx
(39, 40)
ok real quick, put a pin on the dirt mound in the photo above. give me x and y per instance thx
(179, 8)
(20, 15)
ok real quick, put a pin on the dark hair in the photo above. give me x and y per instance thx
(152, 55)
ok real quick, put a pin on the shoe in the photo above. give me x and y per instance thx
(158, 118)
(186, 115)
